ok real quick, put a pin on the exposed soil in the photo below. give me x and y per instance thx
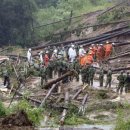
(17, 121)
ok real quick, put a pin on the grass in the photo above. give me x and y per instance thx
(77, 120)
(123, 121)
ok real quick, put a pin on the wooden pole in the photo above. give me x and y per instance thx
(63, 115)
(78, 92)
(48, 94)
(82, 107)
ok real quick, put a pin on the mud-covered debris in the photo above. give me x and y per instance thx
(18, 119)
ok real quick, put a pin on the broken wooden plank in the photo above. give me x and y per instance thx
(64, 113)
(82, 107)
(27, 98)
(49, 93)
(78, 92)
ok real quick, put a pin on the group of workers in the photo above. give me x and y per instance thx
(59, 60)
(95, 53)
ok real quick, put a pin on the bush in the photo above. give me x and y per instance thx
(34, 114)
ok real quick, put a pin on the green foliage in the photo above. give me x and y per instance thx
(34, 114)
(2, 110)
(76, 120)
(16, 21)
(73, 117)
(121, 123)
(20, 17)
(63, 10)
(46, 3)
(116, 14)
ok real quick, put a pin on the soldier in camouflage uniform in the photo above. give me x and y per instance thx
(50, 69)
(58, 67)
(65, 70)
(85, 74)
(127, 82)
(91, 75)
(121, 79)
(6, 78)
(109, 78)
(77, 69)
(71, 67)
(43, 75)
(101, 77)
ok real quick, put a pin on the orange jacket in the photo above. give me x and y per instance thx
(108, 50)
(108, 47)
(88, 59)
(100, 53)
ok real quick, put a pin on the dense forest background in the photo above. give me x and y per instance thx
(23, 22)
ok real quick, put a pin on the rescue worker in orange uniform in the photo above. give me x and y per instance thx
(108, 49)
(92, 51)
(88, 59)
(100, 53)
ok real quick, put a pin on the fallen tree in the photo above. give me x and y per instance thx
(69, 73)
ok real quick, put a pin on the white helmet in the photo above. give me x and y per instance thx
(30, 49)
(55, 51)
(81, 46)
(72, 45)
(107, 41)
(113, 43)
(41, 52)
(47, 52)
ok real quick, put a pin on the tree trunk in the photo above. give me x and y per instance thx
(69, 73)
